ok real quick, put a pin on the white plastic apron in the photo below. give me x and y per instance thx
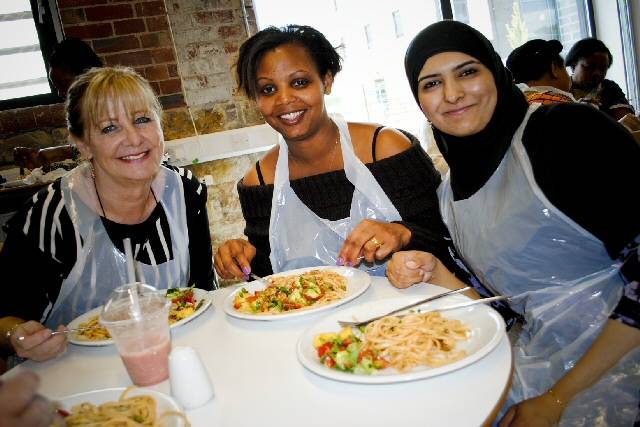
(299, 238)
(100, 267)
(565, 284)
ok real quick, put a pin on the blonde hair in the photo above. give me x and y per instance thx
(88, 97)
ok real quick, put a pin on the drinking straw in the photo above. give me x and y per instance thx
(135, 305)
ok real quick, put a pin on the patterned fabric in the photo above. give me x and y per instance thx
(546, 97)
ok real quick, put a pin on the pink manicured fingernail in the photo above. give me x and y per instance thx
(350, 264)
(246, 270)
(340, 261)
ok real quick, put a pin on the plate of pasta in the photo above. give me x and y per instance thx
(186, 305)
(419, 344)
(296, 293)
(121, 406)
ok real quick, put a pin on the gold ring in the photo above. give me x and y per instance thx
(375, 242)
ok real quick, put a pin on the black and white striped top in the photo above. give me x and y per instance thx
(42, 246)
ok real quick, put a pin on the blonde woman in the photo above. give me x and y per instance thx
(64, 251)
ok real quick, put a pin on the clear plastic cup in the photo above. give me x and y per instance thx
(143, 339)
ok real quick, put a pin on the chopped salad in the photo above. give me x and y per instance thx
(344, 351)
(286, 293)
(183, 303)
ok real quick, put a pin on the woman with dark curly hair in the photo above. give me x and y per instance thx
(332, 192)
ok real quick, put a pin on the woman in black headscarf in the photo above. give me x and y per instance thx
(539, 211)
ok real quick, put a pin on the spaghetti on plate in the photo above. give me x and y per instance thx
(183, 304)
(139, 410)
(400, 342)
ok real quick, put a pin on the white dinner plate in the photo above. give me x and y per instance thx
(487, 329)
(357, 282)
(164, 402)
(200, 294)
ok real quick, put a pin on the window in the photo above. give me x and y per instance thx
(630, 71)
(381, 92)
(397, 23)
(510, 23)
(368, 36)
(23, 39)
(461, 11)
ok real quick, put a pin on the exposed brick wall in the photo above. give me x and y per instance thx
(133, 33)
(208, 34)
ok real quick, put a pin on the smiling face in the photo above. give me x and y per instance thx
(125, 146)
(290, 92)
(591, 70)
(457, 93)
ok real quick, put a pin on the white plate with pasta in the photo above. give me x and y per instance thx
(137, 401)
(475, 331)
(296, 293)
(185, 309)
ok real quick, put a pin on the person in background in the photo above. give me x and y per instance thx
(64, 250)
(590, 59)
(20, 404)
(519, 205)
(332, 192)
(70, 58)
(539, 71)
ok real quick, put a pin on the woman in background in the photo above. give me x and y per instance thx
(538, 211)
(539, 71)
(590, 59)
(64, 251)
(332, 192)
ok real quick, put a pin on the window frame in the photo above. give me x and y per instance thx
(49, 33)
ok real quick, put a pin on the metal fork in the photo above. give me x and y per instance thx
(344, 323)
(66, 331)
(258, 278)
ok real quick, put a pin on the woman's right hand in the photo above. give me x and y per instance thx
(233, 259)
(34, 341)
(409, 267)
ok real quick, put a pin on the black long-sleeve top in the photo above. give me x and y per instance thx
(590, 173)
(409, 179)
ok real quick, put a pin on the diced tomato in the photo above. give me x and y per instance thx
(329, 362)
(236, 305)
(347, 341)
(366, 353)
(252, 298)
(324, 349)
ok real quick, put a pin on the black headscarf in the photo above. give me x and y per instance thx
(472, 159)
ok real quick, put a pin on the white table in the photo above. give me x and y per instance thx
(258, 381)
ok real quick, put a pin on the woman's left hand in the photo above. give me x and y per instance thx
(541, 411)
(373, 240)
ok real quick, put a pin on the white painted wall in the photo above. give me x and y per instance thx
(608, 30)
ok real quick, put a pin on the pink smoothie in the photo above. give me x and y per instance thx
(148, 366)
